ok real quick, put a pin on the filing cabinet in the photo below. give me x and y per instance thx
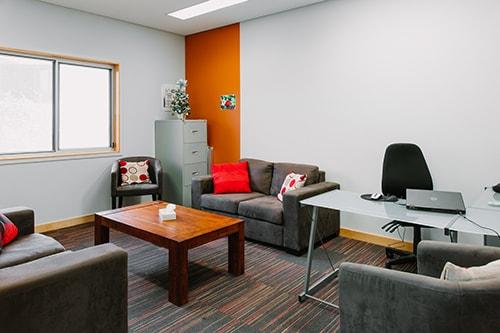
(182, 148)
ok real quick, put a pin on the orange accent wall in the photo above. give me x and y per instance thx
(212, 70)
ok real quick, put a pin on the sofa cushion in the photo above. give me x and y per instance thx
(261, 175)
(227, 202)
(29, 248)
(267, 208)
(281, 170)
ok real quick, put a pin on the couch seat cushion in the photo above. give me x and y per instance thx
(261, 175)
(281, 170)
(267, 208)
(29, 248)
(227, 202)
(137, 189)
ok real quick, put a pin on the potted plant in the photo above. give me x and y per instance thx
(179, 102)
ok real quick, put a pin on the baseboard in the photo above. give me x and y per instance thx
(348, 233)
(66, 223)
(375, 239)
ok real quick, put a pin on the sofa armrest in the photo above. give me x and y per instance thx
(432, 256)
(293, 198)
(22, 217)
(297, 218)
(114, 177)
(83, 291)
(200, 185)
(374, 299)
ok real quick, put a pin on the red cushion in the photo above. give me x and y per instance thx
(8, 230)
(231, 178)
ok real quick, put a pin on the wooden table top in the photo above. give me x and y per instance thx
(189, 224)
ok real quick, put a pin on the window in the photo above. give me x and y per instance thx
(56, 106)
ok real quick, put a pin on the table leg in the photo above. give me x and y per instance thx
(101, 232)
(178, 274)
(310, 253)
(236, 252)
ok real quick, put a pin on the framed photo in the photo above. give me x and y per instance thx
(228, 102)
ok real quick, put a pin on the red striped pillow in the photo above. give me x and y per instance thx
(8, 231)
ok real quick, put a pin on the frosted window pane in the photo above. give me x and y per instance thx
(26, 97)
(84, 107)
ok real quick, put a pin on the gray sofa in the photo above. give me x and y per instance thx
(44, 288)
(285, 224)
(374, 299)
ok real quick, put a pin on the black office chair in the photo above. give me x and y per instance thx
(404, 167)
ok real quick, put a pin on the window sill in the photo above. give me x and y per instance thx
(53, 157)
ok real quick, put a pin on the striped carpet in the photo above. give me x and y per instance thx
(264, 299)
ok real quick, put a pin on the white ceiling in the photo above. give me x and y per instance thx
(153, 13)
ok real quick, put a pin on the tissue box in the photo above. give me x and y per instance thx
(168, 213)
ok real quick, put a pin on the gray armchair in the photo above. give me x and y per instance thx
(44, 288)
(154, 189)
(374, 299)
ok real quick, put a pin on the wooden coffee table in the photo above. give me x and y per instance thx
(191, 229)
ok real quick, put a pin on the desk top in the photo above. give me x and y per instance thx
(480, 212)
(352, 203)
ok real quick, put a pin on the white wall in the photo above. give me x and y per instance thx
(333, 84)
(148, 58)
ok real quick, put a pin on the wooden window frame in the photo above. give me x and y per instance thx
(115, 108)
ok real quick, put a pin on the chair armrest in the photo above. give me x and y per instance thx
(297, 218)
(22, 217)
(200, 185)
(83, 291)
(114, 177)
(158, 174)
(374, 299)
(432, 256)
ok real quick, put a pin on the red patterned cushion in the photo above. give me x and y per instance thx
(231, 178)
(292, 181)
(8, 231)
(134, 172)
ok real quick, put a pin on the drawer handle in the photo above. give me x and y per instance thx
(195, 173)
(194, 152)
(194, 131)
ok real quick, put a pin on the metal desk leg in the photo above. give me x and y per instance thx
(309, 290)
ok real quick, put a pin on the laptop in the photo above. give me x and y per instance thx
(436, 201)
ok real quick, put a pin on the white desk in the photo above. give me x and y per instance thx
(351, 202)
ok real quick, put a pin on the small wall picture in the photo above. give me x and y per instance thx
(166, 95)
(228, 102)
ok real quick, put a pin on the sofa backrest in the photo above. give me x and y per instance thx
(281, 170)
(261, 175)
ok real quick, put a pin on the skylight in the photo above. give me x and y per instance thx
(204, 8)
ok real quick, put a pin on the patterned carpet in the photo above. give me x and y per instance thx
(264, 299)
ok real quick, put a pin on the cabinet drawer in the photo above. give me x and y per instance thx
(193, 170)
(195, 132)
(195, 153)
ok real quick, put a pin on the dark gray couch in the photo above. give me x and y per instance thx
(267, 219)
(374, 299)
(44, 288)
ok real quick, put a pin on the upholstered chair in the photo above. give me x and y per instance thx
(119, 191)
(375, 299)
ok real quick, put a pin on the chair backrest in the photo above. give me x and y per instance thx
(404, 167)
